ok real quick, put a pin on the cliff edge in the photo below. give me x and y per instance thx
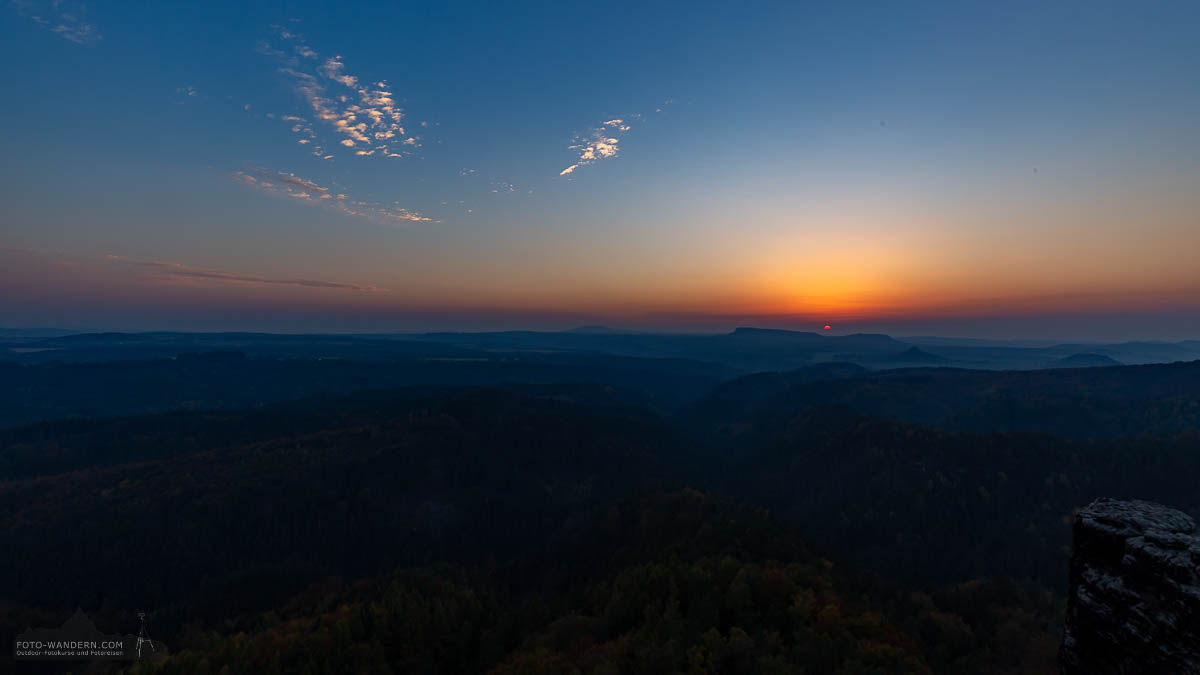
(1133, 602)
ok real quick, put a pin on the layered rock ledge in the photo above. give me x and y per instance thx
(1133, 602)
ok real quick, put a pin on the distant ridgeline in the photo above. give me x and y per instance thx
(102, 375)
(744, 349)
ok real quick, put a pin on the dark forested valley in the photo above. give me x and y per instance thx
(533, 503)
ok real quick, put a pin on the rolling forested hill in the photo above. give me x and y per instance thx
(834, 517)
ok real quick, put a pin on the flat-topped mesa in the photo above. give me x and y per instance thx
(1133, 603)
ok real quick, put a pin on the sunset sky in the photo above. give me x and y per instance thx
(988, 169)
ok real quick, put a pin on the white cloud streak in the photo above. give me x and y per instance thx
(294, 187)
(602, 142)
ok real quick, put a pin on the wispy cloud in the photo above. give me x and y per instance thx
(294, 187)
(182, 94)
(170, 271)
(604, 141)
(363, 114)
(600, 143)
(65, 19)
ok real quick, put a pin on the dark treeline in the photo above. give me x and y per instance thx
(234, 380)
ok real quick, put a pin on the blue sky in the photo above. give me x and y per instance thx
(880, 165)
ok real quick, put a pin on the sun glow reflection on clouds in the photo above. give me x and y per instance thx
(600, 143)
(366, 116)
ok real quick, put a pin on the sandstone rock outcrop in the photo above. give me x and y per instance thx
(1133, 602)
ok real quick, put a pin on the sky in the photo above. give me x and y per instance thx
(986, 169)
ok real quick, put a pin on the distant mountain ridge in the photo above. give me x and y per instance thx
(745, 348)
(1073, 402)
(915, 354)
(1086, 360)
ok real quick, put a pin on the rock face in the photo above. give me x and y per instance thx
(1133, 605)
